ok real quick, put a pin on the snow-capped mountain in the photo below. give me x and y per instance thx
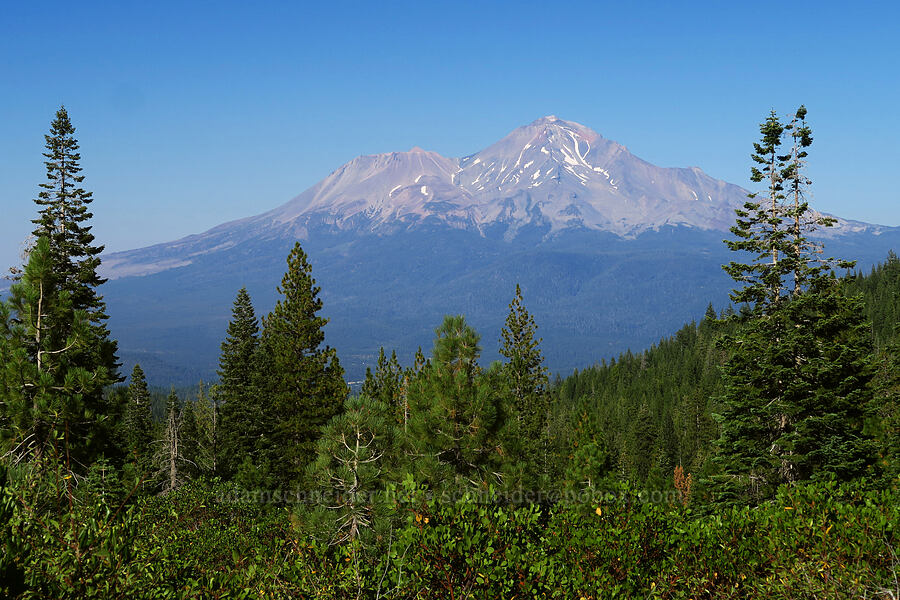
(611, 252)
(553, 175)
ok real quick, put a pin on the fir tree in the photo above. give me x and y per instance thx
(139, 422)
(526, 381)
(206, 414)
(63, 219)
(773, 225)
(304, 378)
(241, 427)
(796, 383)
(198, 435)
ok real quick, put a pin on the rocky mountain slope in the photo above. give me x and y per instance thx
(612, 252)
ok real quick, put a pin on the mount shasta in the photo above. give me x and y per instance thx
(611, 252)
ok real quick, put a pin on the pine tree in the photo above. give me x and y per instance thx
(241, 427)
(46, 393)
(354, 457)
(526, 381)
(386, 384)
(454, 413)
(304, 377)
(63, 317)
(139, 423)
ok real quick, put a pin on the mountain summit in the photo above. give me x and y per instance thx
(551, 173)
(610, 251)
(547, 177)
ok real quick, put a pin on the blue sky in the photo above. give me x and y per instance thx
(193, 113)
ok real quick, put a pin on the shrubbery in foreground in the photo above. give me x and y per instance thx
(815, 540)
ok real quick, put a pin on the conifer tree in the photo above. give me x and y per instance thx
(139, 422)
(63, 220)
(386, 385)
(525, 379)
(354, 458)
(303, 376)
(207, 419)
(796, 383)
(62, 316)
(455, 413)
(46, 392)
(242, 421)
(198, 435)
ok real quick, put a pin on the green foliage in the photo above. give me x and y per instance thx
(454, 413)
(354, 456)
(796, 382)
(524, 381)
(45, 388)
(619, 410)
(303, 378)
(242, 418)
(57, 355)
(139, 428)
(773, 228)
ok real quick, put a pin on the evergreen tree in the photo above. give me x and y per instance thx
(454, 413)
(57, 308)
(386, 384)
(774, 227)
(354, 458)
(796, 383)
(526, 381)
(63, 218)
(198, 435)
(46, 393)
(241, 427)
(304, 378)
(641, 441)
(139, 433)
(206, 414)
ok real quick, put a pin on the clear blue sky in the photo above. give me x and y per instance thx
(193, 113)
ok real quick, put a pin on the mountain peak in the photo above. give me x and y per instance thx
(552, 173)
(549, 176)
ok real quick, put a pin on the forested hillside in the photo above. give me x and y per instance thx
(752, 455)
(656, 409)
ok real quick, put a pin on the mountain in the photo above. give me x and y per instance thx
(611, 251)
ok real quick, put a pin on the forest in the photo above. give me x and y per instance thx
(752, 454)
